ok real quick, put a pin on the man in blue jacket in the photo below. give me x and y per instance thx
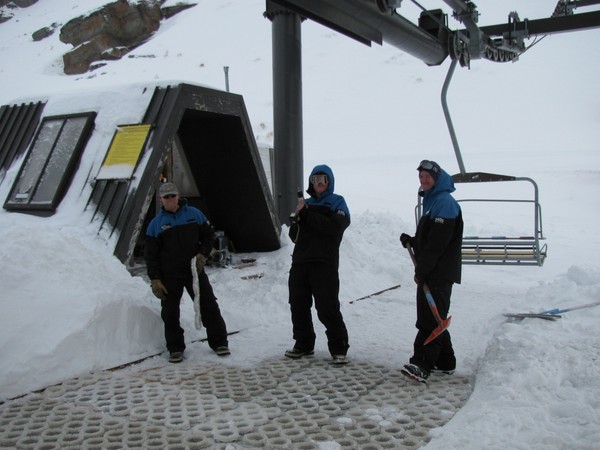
(174, 237)
(437, 245)
(317, 231)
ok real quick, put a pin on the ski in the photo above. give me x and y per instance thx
(573, 308)
(131, 363)
(550, 314)
(255, 276)
(375, 293)
(521, 316)
(196, 299)
(246, 262)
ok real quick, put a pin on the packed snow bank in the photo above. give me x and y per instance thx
(69, 306)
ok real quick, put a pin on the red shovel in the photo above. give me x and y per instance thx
(442, 324)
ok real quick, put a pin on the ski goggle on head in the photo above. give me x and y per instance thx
(319, 179)
(429, 165)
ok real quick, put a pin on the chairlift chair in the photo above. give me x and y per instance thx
(501, 250)
(516, 250)
(494, 250)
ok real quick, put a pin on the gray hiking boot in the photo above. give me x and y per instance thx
(176, 357)
(296, 353)
(222, 351)
(339, 360)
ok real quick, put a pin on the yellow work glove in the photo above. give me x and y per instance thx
(200, 262)
(158, 289)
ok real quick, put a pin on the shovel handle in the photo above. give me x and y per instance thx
(428, 295)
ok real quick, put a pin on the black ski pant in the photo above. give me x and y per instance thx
(321, 282)
(439, 352)
(212, 320)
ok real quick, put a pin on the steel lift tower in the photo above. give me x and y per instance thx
(377, 21)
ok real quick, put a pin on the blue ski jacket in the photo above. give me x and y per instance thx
(320, 224)
(173, 239)
(438, 239)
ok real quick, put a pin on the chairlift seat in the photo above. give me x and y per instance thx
(522, 250)
(501, 250)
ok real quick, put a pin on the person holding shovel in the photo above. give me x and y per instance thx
(437, 258)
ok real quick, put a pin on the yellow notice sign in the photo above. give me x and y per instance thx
(124, 151)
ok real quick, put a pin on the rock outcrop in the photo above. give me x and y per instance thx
(11, 4)
(106, 34)
(111, 32)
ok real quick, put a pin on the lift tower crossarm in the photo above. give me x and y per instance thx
(562, 24)
(364, 21)
(566, 7)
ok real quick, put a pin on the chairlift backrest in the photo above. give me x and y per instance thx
(499, 249)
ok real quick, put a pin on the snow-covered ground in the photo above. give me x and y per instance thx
(69, 307)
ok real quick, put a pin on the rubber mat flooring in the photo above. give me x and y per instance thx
(282, 404)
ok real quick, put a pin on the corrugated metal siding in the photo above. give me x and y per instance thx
(17, 126)
(110, 196)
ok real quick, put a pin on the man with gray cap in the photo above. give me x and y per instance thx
(176, 235)
(437, 249)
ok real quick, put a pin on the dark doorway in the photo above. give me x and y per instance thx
(225, 172)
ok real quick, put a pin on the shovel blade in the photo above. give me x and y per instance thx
(443, 326)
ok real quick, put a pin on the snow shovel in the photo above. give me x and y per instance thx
(442, 324)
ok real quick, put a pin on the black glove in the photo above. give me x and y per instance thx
(405, 239)
(200, 262)
(158, 289)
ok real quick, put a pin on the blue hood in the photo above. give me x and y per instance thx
(437, 201)
(328, 198)
(322, 168)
